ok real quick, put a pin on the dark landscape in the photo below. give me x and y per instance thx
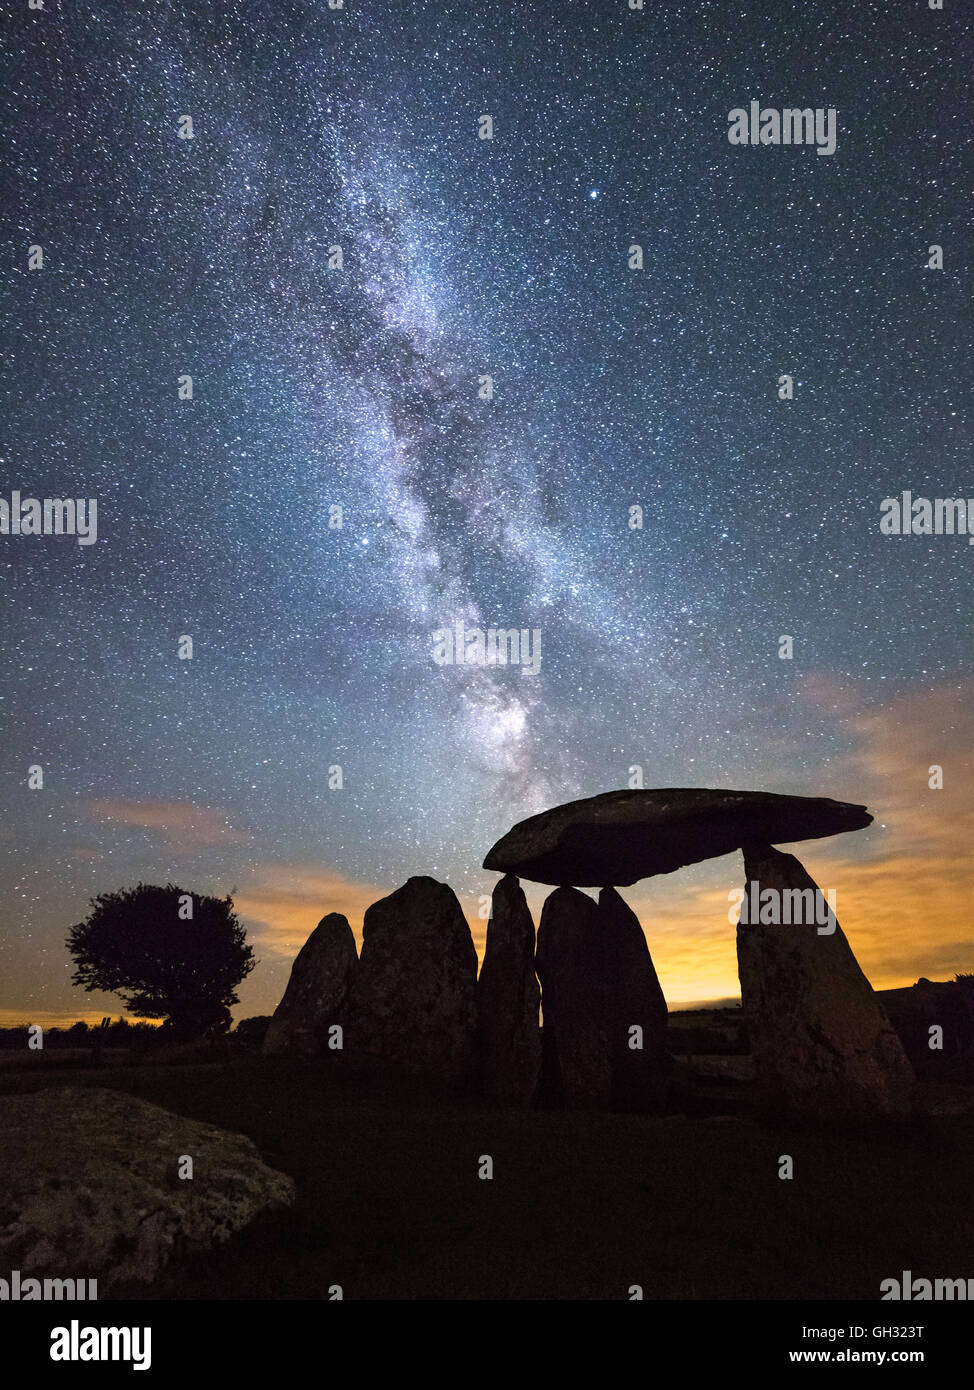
(686, 1204)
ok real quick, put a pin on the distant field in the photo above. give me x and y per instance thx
(688, 1205)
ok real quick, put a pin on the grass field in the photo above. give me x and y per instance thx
(581, 1206)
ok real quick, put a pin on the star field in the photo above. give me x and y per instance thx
(316, 388)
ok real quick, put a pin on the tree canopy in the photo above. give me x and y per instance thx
(168, 953)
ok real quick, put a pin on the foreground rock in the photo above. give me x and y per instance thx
(623, 836)
(633, 1000)
(821, 1041)
(576, 1069)
(91, 1187)
(508, 999)
(316, 990)
(412, 1000)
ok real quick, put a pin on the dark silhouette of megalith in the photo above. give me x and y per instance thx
(822, 1042)
(508, 997)
(576, 1069)
(413, 998)
(316, 990)
(636, 1014)
(621, 836)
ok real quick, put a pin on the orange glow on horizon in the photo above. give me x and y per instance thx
(904, 886)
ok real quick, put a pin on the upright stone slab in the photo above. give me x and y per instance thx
(316, 991)
(822, 1042)
(575, 1067)
(413, 999)
(634, 1000)
(508, 999)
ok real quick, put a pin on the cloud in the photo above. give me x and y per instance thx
(63, 1018)
(181, 825)
(285, 902)
(904, 886)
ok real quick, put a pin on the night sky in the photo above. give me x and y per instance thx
(358, 388)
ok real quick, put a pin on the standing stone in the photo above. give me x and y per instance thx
(413, 999)
(633, 998)
(508, 998)
(319, 981)
(821, 1040)
(575, 1066)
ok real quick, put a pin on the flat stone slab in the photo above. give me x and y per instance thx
(620, 837)
(90, 1186)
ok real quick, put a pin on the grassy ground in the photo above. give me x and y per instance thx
(581, 1206)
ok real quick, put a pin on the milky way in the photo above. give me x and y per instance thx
(359, 388)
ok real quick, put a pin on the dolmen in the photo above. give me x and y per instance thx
(821, 1041)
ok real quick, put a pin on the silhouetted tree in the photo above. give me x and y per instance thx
(142, 944)
(253, 1030)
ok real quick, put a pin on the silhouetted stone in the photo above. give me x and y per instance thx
(822, 1042)
(91, 1187)
(412, 1000)
(633, 997)
(575, 1067)
(508, 997)
(622, 836)
(319, 981)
